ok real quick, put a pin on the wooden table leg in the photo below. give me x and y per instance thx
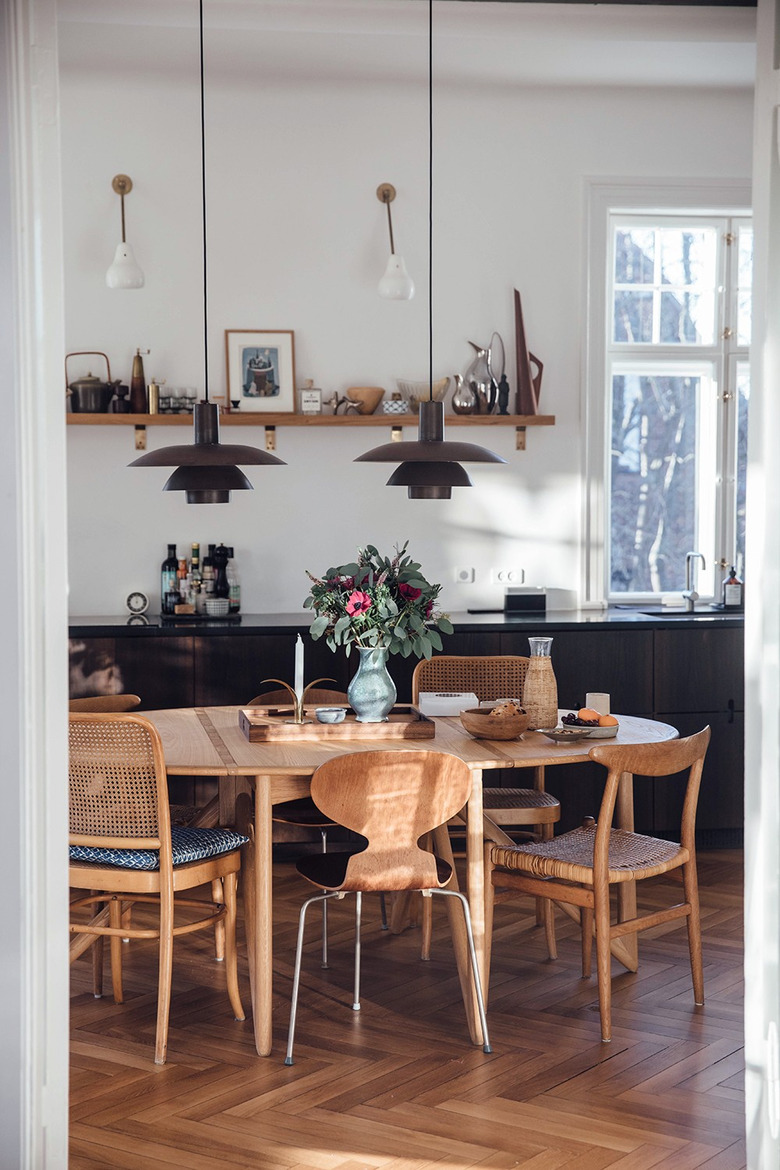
(257, 884)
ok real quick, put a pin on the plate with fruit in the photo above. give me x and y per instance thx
(590, 724)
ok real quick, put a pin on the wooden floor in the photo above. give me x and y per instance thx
(398, 1085)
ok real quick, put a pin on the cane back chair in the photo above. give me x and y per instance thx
(123, 850)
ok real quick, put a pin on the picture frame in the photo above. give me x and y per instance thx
(261, 370)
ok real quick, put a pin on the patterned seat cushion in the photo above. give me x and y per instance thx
(188, 845)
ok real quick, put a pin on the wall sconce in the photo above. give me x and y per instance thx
(125, 271)
(396, 284)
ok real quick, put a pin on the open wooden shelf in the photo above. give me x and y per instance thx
(268, 419)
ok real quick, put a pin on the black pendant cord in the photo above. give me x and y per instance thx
(430, 200)
(203, 205)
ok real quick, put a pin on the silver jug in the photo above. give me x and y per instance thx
(480, 377)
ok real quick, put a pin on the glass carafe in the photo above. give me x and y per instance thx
(540, 690)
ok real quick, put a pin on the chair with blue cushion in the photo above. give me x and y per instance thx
(124, 851)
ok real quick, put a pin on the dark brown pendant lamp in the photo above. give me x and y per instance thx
(206, 470)
(430, 465)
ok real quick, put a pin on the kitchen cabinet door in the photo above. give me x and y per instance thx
(720, 815)
(699, 670)
(619, 662)
(159, 669)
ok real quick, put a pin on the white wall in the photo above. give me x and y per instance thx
(297, 240)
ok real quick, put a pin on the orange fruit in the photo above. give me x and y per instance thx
(587, 713)
(607, 721)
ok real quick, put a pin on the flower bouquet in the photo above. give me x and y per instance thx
(378, 603)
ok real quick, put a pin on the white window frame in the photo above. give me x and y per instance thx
(717, 197)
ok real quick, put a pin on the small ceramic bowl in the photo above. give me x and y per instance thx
(217, 607)
(565, 734)
(330, 714)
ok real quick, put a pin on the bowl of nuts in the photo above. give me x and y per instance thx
(506, 720)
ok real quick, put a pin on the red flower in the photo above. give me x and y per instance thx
(409, 592)
(429, 609)
(358, 603)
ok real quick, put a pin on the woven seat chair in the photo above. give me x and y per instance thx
(123, 851)
(303, 812)
(105, 704)
(579, 868)
(494, 676)
(394, 799)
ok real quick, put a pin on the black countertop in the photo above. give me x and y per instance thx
(153, 625)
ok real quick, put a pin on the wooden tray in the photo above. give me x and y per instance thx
(264, 724)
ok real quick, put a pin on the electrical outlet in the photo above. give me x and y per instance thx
(507, 576)
(463, 576)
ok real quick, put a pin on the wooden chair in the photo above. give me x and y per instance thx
(393, 799)
(303, 812)
(104, 704)
(580, 867)
(123, 851)
(494, 676)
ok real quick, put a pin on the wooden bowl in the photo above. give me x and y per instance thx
(369, 397)
(481, 724)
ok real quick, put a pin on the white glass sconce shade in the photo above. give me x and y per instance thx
(125, 272)
(396, 284)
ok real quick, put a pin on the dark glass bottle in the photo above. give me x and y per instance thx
(732, 595)
(207, 573)
(169, 593)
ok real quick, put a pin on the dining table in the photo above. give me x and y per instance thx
(254, 776)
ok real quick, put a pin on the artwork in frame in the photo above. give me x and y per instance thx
(261, 369)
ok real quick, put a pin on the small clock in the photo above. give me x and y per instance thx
(137, 602)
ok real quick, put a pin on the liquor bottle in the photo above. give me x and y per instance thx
(221, 587)
(234, 589)
(731, 591)
(182, 583)
(207, 571)
(168, 581)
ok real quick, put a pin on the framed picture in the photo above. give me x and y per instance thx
(260, 369)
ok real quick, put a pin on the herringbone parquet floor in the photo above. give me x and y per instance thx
(398, 1086)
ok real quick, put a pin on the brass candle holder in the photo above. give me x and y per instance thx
(298, 699)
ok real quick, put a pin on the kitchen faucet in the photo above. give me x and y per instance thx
(690, 593)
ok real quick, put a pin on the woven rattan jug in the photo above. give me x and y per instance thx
(540, 692)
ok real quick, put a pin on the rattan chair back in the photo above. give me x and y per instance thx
(492, 676)
(392, 798)
(117, 784)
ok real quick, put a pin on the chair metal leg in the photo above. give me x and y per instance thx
(297, 976)
(358, 917)
(473, 956)
(324, 959)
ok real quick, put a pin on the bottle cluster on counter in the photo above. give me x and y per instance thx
(205, 586)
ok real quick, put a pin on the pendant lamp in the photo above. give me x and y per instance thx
(206, 470)
(430, 465)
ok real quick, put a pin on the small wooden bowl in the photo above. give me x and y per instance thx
(369, 397)
(479, 723)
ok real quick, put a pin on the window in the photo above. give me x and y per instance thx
(677, 383)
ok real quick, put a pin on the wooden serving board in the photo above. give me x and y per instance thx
(264, 724)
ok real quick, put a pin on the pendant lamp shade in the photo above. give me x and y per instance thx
(430, 465)
(206, 469)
